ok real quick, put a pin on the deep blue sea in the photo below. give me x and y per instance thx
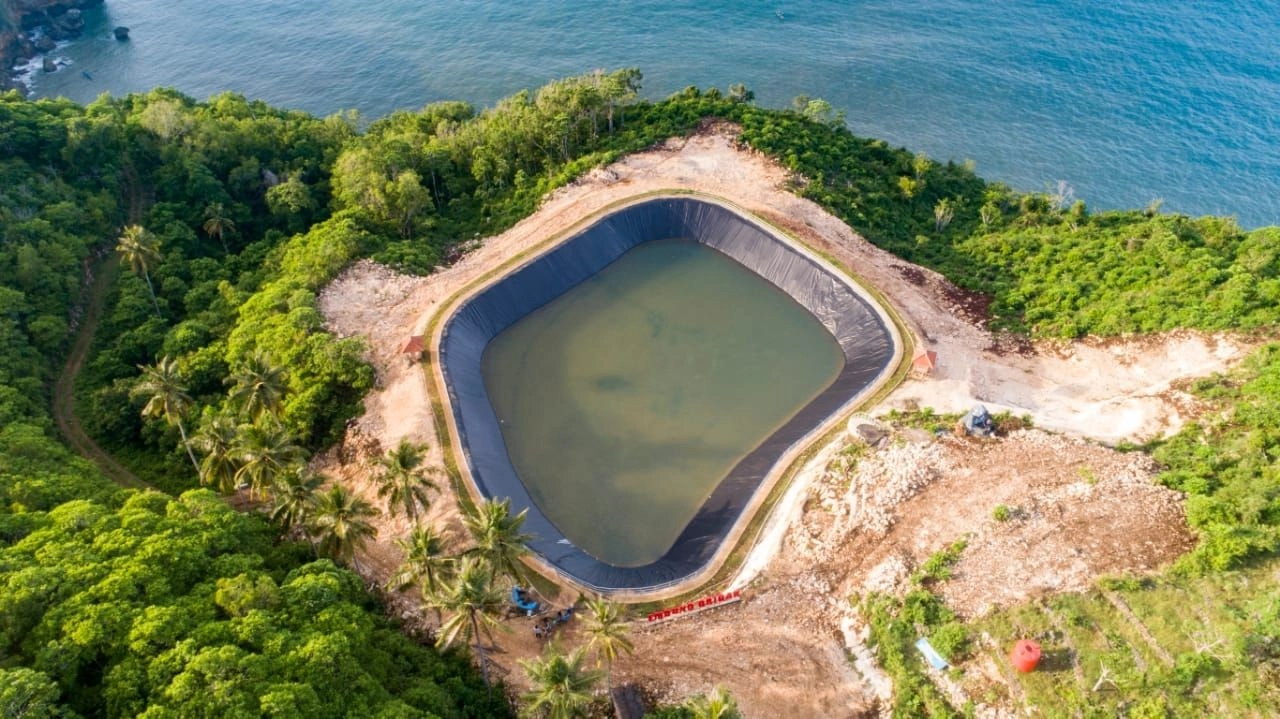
(1126, 100)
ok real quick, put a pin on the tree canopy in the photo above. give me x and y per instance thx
(155, 606)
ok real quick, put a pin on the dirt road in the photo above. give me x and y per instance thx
(64, 409)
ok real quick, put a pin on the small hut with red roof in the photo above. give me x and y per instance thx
(923, 364)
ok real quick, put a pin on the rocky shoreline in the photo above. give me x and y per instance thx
(32, 27)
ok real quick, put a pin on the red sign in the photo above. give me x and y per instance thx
(707, 602)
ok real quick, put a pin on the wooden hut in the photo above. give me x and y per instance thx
(416, 345)
(923, 364)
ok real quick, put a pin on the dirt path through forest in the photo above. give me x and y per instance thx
(64, 395)
(64, 389)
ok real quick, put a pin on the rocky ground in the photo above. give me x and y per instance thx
(1078, 511)
(848, 524)
(1073, 510)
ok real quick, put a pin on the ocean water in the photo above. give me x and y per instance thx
(1127, 100)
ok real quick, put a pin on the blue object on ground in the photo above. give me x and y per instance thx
(979, 422)
(523, 600)
(931, 655)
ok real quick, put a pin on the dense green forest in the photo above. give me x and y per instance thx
(211, 365)
(119, 603)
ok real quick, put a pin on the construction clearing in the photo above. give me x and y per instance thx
(1044, 509)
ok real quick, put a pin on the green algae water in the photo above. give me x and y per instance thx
(627, 399)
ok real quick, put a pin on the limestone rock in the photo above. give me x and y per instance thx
(866, 430)
(121, 32)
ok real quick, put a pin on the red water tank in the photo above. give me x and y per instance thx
(1025, 656)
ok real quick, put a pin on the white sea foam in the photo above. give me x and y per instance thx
(28, 73)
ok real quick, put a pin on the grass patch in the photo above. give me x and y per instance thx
(1223, 632)
(925, 418)
(896, 623)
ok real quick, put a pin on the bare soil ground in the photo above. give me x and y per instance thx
(1076, 510)
(1080, 509)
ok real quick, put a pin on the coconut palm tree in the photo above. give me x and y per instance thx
(402, 481)
(294, 497)
(499, 541)
(424, 562)
(559, 687)
(217, 224)
(140, 249)
(264, 451)
(607, 634)
(474, 601)
(341, 523)
(216, 440)
(166, 397)
(716, 705)
(258, 387)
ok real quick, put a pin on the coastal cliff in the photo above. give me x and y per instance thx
(55, 19)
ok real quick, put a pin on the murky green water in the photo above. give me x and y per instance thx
(626, 400)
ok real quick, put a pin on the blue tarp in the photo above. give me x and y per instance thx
(978, 421)
(931, 655)
(522, 600)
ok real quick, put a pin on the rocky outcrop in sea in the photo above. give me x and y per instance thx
(28, 27)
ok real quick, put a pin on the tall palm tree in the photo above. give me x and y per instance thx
(341, 523)
(258, 387)
(216, 440)
(217, 224)
(264, 451)
(167, 398)
(402, 481)
(141, 250)
(474, 601)
(607, 634)
(716, 705)
(498, 538)
(559, 687)
(294, 497)
(425, 562)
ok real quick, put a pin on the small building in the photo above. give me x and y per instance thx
(923, 364)
(416, 345)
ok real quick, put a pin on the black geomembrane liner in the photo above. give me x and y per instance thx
(866, 342)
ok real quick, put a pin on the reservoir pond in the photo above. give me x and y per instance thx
(626, 400)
